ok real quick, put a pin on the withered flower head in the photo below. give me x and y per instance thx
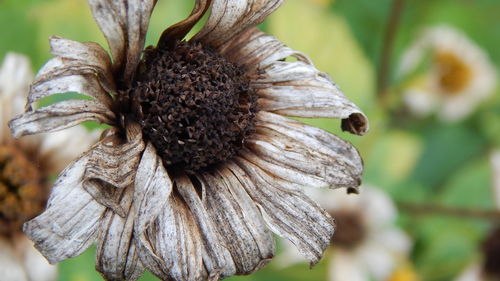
(25, 169)
(199, 165)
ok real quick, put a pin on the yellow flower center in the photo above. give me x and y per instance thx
(454, 73)
(22, 192)
(404, 273)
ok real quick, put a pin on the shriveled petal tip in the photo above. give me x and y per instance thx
(229, 18)
(291, 88)
(124, 24)
(60, 116)
(71, 221)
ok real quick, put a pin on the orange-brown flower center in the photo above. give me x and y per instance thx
(454, 73)
(350, 231)
(22, 192)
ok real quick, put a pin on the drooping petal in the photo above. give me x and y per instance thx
(152, 188)
(171, 248)
(292, 88)
(60, 116)
(112, 167)
(288, 211)
(311, 154)
(180, 29)
(71, 221)
(229, 18)
(117, 258)
(243, 229)
(124, 24)
(216, 256)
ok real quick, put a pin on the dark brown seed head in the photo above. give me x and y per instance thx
(196, 107)
(350, 231)
(22, 190)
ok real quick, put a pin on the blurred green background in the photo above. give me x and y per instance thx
(417, 161)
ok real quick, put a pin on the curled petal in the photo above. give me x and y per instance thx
(229, 18)
(180, 29)
(114, 161)
(71, 221)
(216, 256)
(171, 248)
(292, 88)
(60, 116)
(288, 212)
(124, 24)
(305, 150)
(152, 188)
(117, 256)
(245, 233)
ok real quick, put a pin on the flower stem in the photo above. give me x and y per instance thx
(387, 47)
(429, 209)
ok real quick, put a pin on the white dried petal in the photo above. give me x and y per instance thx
(292, 88)
(288, 212)
(216, 256)
(152, 188)
(117, 258)
(171, 248)
(71, 221)
(60, 116)
(243, 230)
(124, 24)
(305, 150)
(229, 18)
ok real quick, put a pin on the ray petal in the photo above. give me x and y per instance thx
(124, 24)
(117, 258)
(229, 18)
(244, 231)
(287, 211)
(292, 88)
(71, 221)
(60, 116)
(171, 248)
(305, 150)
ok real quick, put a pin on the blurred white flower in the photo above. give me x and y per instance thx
(457, 74)
(25, 168)
(366, 244)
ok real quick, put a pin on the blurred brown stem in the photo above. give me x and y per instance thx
(387, 47)
(428, 209)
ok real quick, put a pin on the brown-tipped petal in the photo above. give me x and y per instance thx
(71, 221)
(305, 150)
(171, 248)
(117, 258)
(152, 188)
(229, 18)
(241, 226)
(60, 116)
(288, 212)
(292, 88)
(124, 24)
(216, 255)
(180, 29)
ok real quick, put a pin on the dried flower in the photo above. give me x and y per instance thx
(458, 77)
(25, 167)
(198, 166)
(367, 245)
